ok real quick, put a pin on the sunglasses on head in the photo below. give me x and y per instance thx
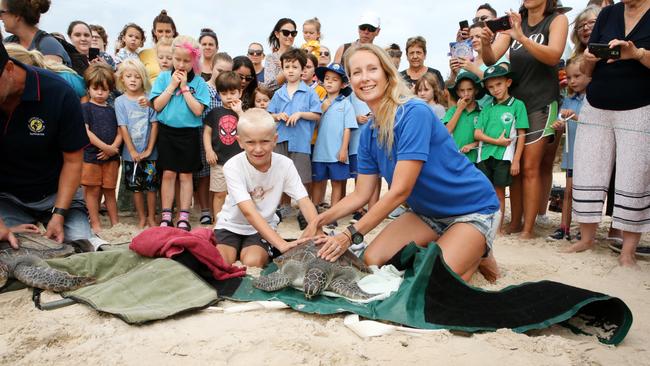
(324, 53)
(368, 28)
(287, 33)
(255, 52)
(482, 18)
(246, 77)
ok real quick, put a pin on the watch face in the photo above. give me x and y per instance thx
(357, 238)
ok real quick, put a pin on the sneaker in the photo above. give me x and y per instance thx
(302, 223)
(356, 217)
(641, 251)
(206, 219)
(397, 212)
(558, 234)
(543, 220)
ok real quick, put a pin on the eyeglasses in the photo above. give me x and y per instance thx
(255, 52)
(324, 53)
(247, 78)
(482, 18)
(588, 24)
(287, 33)
(367, 28)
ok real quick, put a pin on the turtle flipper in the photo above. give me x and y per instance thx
(272, 282)
(49, 278)
(349, 289)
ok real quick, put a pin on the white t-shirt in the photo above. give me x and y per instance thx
(265, 189)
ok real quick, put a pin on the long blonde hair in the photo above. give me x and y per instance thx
(397, 93)
(136, 65)
(35, 58)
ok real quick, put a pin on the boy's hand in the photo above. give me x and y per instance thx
(514, 168)
(343, 155)
(211, 157)
(502, 140)
(286, 245)
(25, 228)
(568, 113)
(236, 106)
(145, 154)
(111, 150)
(558, 125)
(462, 104)
(293, 119)
(467, 148)
(102, 156)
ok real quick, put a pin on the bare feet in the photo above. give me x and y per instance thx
(627, 261)
(579, 246)
(528, 235)
(142, 223)
(152, 223)
(489, 268)
(513, 229)
(96, 229)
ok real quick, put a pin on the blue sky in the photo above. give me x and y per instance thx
(237, 23)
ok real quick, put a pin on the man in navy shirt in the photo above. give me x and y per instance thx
(42, 136)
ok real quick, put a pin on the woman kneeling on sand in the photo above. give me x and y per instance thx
(451, 202)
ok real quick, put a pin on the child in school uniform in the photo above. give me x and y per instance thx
(501, 130)
(461, 119)
(296, 108)
(330, 157)
(256, 179)
(179, 97)
(101, 157)
(219, 134)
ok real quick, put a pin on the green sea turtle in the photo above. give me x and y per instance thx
(27, 265)
(301, 267)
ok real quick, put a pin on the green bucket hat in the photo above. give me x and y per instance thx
(495, 72)
(471, 77)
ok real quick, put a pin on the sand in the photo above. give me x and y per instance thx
(79, 335)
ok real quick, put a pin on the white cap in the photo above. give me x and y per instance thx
(370, 19)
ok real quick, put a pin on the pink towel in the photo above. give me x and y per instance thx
(168, 242)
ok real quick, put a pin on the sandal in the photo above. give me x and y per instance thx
(166, 223)
(183, 224)
(206, 219)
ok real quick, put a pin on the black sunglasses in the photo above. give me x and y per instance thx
(246, 78)
(482, 18)
(324, 53)
(367, 27)
(255, 52)
(287, 33)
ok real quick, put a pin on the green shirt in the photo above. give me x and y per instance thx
(496, 118)
(464, 132)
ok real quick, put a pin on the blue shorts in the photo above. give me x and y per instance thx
(353, 165)
(333, 171)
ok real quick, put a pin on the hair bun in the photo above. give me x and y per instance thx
(163, 12)
(206, 30)
(42, 6)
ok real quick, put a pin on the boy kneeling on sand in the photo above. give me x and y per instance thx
(256, 179)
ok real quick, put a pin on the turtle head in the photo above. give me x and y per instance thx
(316, 279)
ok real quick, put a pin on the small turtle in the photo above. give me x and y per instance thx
(302, 268)
(27, 265)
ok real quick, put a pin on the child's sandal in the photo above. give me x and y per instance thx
(184, 225)
(166, 223)
(206, 219)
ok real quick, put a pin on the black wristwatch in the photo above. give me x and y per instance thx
(59, 211)
(357, 237)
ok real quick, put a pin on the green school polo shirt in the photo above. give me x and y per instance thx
(464, 132)
(496, 118)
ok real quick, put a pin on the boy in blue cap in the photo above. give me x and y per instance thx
(498, 125)
(330, 157)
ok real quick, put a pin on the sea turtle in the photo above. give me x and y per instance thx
(302, 268)
(27, 265)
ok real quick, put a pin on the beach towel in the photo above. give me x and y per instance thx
(432, 296)
(168, 242)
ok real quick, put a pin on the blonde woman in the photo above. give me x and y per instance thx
(450, 201)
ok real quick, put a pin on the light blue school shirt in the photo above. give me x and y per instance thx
(448, 184)
(360, 109)
(573, 103)
(338, 117)
(304, 99)
(177, 113)
(138, 121)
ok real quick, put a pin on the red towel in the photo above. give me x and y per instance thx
(169, 241)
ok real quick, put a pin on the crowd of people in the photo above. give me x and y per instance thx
(241, 137)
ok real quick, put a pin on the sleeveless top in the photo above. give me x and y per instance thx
(536, 84)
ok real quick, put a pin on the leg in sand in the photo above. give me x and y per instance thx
(532, 184)
(546, 172)
(318, 191)
(630, 242)
(516, 203)
(168, 189)
(91, 195)
(151, 209)
(138, 202)
(587, 238)
(111, 204)
(218, 199)
(228, 253)
(463, 247)
(254, 256)
(501, 195)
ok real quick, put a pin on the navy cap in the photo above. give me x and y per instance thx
(334, 67)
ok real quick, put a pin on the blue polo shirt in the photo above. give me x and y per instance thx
(177, 113)
(304, 99)
(338, 117)
(47, 122)
(448, 184)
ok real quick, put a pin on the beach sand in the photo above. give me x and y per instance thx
(79, 335)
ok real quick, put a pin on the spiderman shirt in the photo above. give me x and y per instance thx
(223, 122)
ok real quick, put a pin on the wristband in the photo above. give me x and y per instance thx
(59, 211)
(185, 90)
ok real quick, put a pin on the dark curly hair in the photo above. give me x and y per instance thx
(120, 42)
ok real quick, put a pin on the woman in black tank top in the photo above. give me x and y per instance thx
(536, 43)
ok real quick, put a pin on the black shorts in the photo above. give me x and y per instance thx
(179, 149)
(239, 242)
(497, 171)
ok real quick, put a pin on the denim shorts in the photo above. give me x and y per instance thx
(486, 224)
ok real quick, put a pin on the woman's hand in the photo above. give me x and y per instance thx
(454, 65)
(515, 21)
(486, 36)
(629, 51)
(333, 246)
